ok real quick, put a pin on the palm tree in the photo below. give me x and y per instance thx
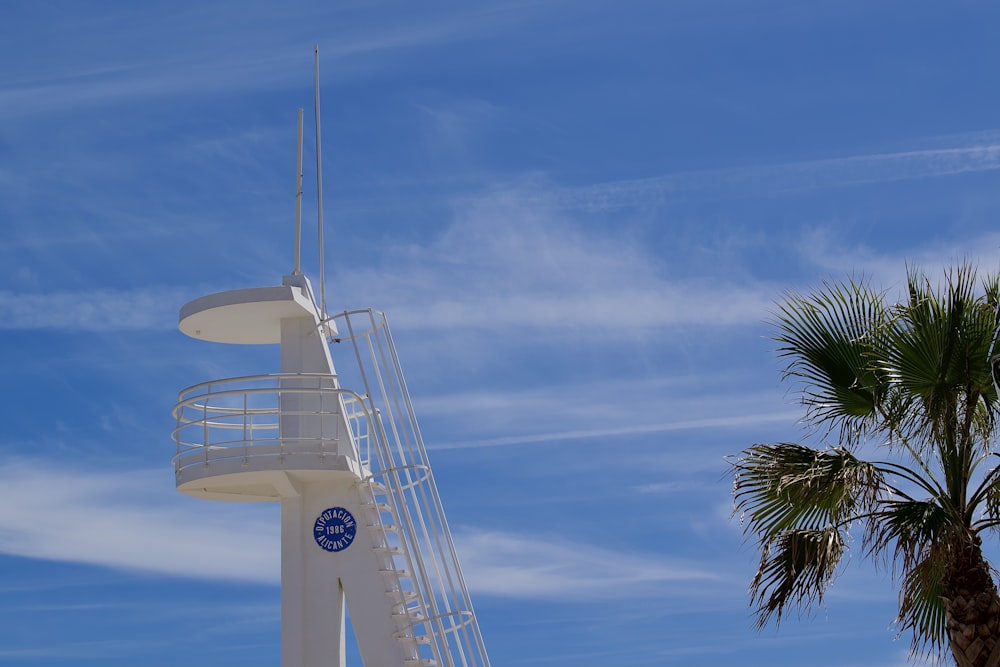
(909, 383)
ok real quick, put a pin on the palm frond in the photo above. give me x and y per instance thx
(825, 337)
(904, 530)
(915, 376)
(785, 485)
(795, 569)
(922, 610)
(936, 350)
(987, 495)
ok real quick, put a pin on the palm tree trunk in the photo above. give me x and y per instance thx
(973, 609)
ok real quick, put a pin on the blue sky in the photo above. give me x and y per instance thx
(577, 216)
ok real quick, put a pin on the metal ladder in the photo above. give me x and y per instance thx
(433, 611)
(408, 610)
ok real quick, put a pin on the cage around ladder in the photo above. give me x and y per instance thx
(362, 524)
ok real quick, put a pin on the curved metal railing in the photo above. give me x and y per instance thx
(253, 416)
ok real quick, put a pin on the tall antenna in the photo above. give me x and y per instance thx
(319, 189)
(298, 204)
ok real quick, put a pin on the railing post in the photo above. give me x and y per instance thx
(246, 436)
(204, 422)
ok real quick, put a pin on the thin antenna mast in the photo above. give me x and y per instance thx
(298, 204)
(319, 189)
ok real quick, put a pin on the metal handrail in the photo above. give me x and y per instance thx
(401, 462)
(207, 409)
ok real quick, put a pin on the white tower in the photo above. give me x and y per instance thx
(361, 520)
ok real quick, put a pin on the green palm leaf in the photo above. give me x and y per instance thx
(934, 351)
(914, 377)
(796, 568)
(797, 503)
(921, 604)
(787, 485)
(825, 337)
(907, 529)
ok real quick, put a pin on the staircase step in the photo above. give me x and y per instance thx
(402, 596)
(402, 600)
(410, 616)
(402, 574)
(385, 527)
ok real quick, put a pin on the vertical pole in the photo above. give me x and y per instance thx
(319, 187)
(298, 203)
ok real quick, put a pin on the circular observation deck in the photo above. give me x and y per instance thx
(251, 438)
(245, 316)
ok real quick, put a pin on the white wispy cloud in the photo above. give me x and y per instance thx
(595, 402)
(782, 417)
(502, 267)
(92, 310)
(526, 566)
(518, 258)
(505, 265)
(124, 520)
(841, 257)
(786, 178)
(73, 651)
(273, 48)
(130, 520)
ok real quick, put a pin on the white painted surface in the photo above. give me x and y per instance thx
(300, 439)
(245, 316)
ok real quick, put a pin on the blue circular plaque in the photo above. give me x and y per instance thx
(335, 529)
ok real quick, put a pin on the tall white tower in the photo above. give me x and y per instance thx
(362, 525)
(361, 520)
